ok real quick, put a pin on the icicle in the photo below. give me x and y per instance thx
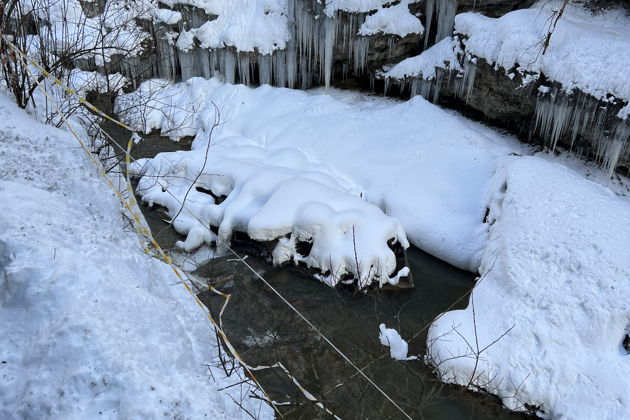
(279, 68)
(444, 11)
(360, 54)
(264, 69)
(204, 60)
(466, 83)
(244, 68)
(229, 65)
(186, 64)
(329, 44)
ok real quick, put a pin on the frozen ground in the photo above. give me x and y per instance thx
(553, 245)
(90, 327)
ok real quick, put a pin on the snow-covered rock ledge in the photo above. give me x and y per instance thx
(569, 94)
(546, 328)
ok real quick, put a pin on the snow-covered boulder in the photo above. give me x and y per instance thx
(277, 197)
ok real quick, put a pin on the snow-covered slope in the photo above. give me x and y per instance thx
(90, 327)
(556, 279)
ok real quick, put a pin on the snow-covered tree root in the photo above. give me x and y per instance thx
(280, 199)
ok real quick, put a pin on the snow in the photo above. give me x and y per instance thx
(557, 261)
(247, 25)
(441, 55)
(394, 20)
(89, 325)
(274, 195)
(428, 172)
(398, 347)
(587, 51)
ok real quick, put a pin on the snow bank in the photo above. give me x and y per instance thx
(275, 196)
(557, 264)
(422, 165)
(394, 20)
(442, 55)
(90, 327)
(587, 51)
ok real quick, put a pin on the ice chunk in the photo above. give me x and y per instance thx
(398, 347)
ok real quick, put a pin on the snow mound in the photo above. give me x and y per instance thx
(394, 20)
(441, 55)
(586, 51)
(90, 327)
(398, 347)
(274, 196)
(557, 262)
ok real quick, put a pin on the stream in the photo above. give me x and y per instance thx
(264, 330)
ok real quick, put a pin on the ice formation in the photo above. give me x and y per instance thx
(442, 12)
(560, 114)
(277, 197)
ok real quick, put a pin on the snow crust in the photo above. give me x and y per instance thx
(441, 55)
(394, 20)
(555, 279)
(417, 163)
(587, 51)
(90, 327)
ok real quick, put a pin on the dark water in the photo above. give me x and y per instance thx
(264, 331)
